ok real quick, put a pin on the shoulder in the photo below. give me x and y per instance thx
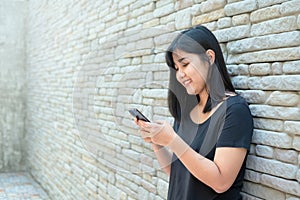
(237, 99)
(238, 106)
(236, 102)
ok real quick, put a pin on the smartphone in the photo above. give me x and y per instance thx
(136, 113)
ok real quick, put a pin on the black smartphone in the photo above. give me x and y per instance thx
(136, 113)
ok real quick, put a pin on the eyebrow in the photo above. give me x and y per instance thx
(181, 59)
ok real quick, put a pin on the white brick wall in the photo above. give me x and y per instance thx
(12, 84)
(89, 61)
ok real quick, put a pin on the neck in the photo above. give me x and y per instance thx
(203, 98)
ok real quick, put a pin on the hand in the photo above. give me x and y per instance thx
(146, 139)
(160, 132)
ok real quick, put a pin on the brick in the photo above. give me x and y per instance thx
(290, 197)
(275, 82)
(266, 111)
(260, 69)
(162, 187)
(272, 167)
(292, 67)
(290, 7)
(208, 17)
(147, 19)
(232, 33)
(212, 26)
(264, 151)
(238, 69)
(252, 176)
(265, 14)
(288, 156)
(195, 10)
(183, 4)
(163, 3)
(199, 1)
(164, 39)
(183, 24)
(292, 127)
(265, 3)
(240, 7)
(287, 186)
(163, 10)
(242, 19)
(151, 23)
(240, 82)
(298, 22)
(274, 139)
(224, 22)
(155, 93)
(167, 19)
(283, 24)
(254, 96)
(263, 192)
(160, 76)
(276, 68)
(212, 5)
(274, 55)
(265, 42)
(296, 143)
(142, 193)
(123, 3)
(278, 98)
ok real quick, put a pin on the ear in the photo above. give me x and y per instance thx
(211, 55)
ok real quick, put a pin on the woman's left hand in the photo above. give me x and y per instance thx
(160, 132)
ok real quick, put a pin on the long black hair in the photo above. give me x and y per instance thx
(198, 40)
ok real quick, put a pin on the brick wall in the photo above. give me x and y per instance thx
(12, 84)
(89, 61)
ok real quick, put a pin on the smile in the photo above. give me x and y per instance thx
(187, 82)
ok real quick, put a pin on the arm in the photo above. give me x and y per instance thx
(164, 157)
(218, 174)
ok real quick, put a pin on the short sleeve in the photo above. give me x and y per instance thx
(238, 127)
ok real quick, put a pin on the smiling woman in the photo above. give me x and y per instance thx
(205, 152)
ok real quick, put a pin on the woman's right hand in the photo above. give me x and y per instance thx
(146, 139)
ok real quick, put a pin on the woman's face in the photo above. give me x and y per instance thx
(191, 71)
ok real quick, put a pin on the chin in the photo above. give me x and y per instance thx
(191, 92)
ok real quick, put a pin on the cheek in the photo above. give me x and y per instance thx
(199, 78)
(178, 77)
(200, 74)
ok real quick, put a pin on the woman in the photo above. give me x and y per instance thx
(205, 151)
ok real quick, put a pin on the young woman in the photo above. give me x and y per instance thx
(206, 149)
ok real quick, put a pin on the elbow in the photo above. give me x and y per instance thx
(221, 187)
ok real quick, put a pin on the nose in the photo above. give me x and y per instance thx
(181, 73)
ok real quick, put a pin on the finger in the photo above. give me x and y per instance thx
(145, 134)
(148, 139)
(144, 124)
(160, 121)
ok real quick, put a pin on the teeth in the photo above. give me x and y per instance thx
(185, 82)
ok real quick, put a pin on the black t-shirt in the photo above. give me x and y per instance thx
(231, 125)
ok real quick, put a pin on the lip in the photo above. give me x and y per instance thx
(186, 82)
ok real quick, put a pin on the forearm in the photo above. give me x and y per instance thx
(164, 157)
(202, 168)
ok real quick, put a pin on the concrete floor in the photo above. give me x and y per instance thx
(20, 186)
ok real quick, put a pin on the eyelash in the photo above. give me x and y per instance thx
(184, 65)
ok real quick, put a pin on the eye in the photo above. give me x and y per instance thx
(185, 64)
